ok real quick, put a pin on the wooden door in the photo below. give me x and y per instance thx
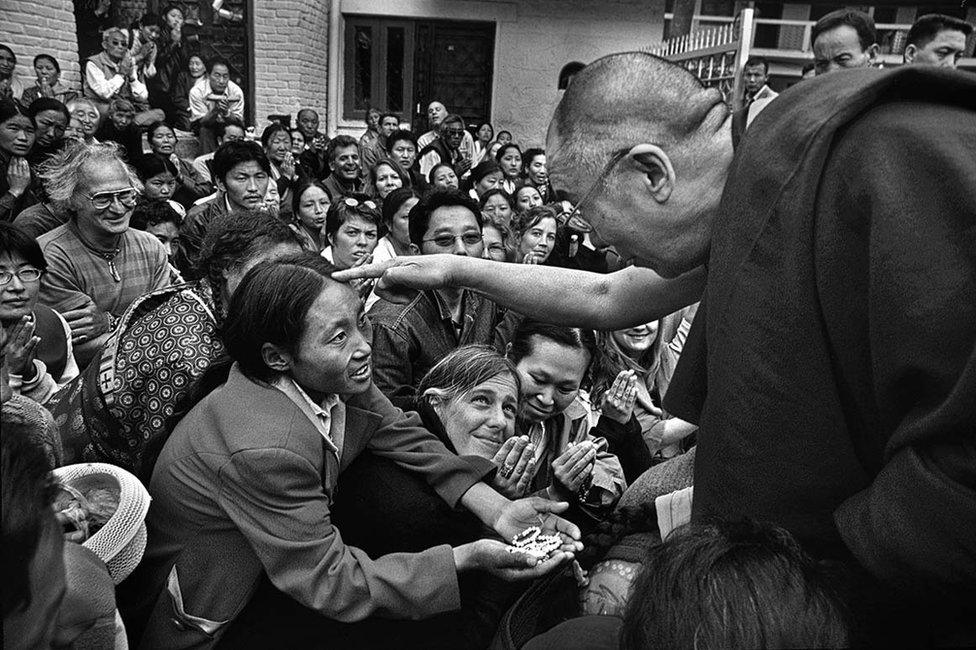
(453, 64)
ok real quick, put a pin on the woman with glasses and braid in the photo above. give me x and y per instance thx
(38, 349)
(97, 265)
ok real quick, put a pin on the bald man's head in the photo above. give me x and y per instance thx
(622, 99)
(622, 128)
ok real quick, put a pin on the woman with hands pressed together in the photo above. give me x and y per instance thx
(572, 461)
(251, 471)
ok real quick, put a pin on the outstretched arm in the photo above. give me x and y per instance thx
(628, 297)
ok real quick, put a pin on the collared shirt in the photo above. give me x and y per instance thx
(77, 272)
(329, 417)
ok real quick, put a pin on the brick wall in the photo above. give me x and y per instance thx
(31, 27)
(290, 58)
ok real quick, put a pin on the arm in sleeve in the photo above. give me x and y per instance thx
(198, 103)
(193, 182)
(60, 289)
(275, 498)
(39, 388)
(625, 442)
(104, 88)
(139, 90)
(401, 438)
(162, 277)
(913, 525)
(607, 482)
(71, 369)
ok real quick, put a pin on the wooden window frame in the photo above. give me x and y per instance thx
(378, 65)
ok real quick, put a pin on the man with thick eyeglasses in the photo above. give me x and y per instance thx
(409, 339)
(97, 265)
(832, 365)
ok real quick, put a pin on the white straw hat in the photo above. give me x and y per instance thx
(122, 540)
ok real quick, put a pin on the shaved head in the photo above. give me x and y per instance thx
(620, 100)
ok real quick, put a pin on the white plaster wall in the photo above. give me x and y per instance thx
(533, 40)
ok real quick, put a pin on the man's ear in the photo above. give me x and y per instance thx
(655, 165)
(219, 182)
(414, 249)
(873, 52)
(910, 52)
(275, 358)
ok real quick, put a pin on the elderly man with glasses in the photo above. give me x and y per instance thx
(97, 265)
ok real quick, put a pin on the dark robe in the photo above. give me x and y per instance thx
(838, 394)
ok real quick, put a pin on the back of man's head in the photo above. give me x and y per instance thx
(621, 100)
(419, 217)
(929, 26)
(861, 22)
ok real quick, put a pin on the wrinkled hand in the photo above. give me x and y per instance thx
(86, 323)
(536, 511)
(18, 175)
(516, 467)
(21, 346)
(399, 279)
(574, 466)
(619, 400)
(462, 167)
(223, 105)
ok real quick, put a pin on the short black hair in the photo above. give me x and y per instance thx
(217, 60)
(757, 60)
(386, 115)
(397, 136)
(339, 212)
(14, 241)
(927, 27)
(863, 24)
(420, 214)
(42, 104)
(153, 213)
(28, 489)
(339, 142)
(153, 164)
(270, 130)
(230, 120)
(505, 147)
(497, 191)
(233, 153)
(155, 126)
(394, 201)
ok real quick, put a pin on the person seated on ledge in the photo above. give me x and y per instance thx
(250, 473)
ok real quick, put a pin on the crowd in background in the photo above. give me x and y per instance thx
(168, 308)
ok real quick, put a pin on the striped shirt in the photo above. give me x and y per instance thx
(77, 271)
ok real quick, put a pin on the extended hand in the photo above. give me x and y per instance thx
(86, 322)
(400, 277)
(536, 511)
(493, 556)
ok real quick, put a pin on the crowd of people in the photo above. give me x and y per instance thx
(718, 366)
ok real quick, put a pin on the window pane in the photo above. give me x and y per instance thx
(362, 65)
(395, 37)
